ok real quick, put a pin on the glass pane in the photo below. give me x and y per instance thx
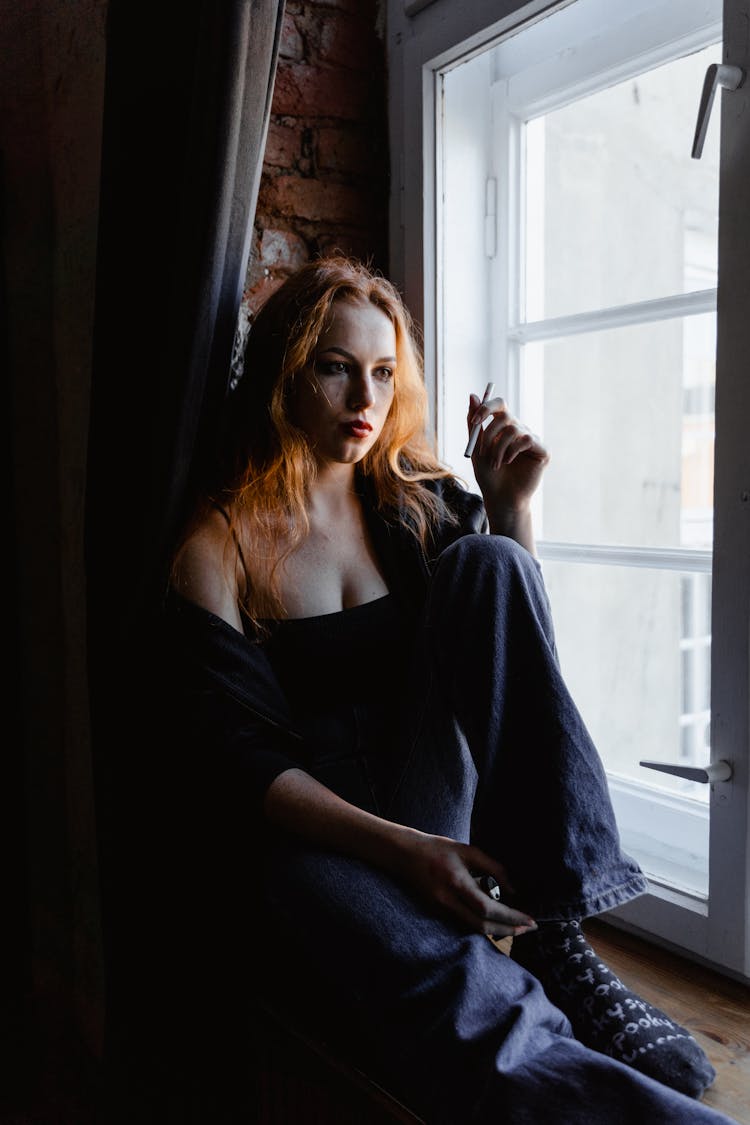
(616, 208)
(628, 417)
(635, 654)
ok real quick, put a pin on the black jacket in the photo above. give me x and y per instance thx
(203, 729)
(227, 694)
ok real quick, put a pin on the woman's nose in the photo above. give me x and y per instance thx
(361, 392)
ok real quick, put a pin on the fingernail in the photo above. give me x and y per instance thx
(519, 930)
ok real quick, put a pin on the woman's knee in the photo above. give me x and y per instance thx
(481, 577)
(477, 555)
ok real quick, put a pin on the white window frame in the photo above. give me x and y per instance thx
(425, 37)
(643, 45)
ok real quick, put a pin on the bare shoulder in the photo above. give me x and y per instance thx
(205, 570)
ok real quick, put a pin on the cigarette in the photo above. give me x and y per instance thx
(478, 425)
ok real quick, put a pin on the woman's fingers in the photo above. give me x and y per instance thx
(487, 916)
(497, 438)
(511, 445)
(479, 411)
(446, 871)
(504, 438)
(479, 862)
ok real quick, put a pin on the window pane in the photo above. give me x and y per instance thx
(621, 636)
(628, 418)
(616, 208)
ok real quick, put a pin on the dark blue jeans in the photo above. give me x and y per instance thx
(495, 753)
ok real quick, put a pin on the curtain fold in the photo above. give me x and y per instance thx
(187, 100)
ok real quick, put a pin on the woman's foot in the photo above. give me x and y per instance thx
(605, 1015)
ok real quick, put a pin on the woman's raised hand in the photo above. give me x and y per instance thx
(508, 461)
(442, 872)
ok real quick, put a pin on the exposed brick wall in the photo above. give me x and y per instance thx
(325, 175)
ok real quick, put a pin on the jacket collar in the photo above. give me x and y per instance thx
(403, 561)
(224, 659)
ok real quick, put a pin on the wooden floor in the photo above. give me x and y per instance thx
(713, 1008)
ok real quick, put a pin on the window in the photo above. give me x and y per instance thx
(556, 236)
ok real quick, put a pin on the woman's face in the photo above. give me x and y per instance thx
(344, 394)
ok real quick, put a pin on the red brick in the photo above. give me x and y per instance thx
(292, 45)
(364, 245)
(307, 91)
(283, 146)
(256, 272)
(282, 250)
(316, 200)
(362, 8)
(349, 43)
(345, 150)
(255, 295)
(328, 114)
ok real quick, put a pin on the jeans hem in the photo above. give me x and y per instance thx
(590, 905)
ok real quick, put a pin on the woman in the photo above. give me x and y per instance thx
(372, 661)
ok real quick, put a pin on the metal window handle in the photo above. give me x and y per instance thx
(718, 74)
(716, 771)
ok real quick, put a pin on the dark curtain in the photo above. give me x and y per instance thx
(187, 100)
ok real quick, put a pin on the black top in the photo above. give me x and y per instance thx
(344, 675)
(350, 654)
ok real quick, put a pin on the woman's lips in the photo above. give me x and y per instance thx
(359, 428)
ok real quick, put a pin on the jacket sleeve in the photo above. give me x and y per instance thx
(227, 701)
(471, 515)
(468, 508)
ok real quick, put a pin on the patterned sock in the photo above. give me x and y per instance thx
(605, 1015)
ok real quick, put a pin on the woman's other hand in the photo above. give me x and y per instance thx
(438, 870)
(442, 872)
(508, 465)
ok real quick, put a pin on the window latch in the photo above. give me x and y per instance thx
(718, 74)
(716, 771)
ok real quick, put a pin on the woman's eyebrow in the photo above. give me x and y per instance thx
(353, 358)
(339, 351)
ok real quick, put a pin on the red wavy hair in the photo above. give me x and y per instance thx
(267, 465)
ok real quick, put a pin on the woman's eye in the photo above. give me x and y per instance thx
(331, 367)
(385, 373)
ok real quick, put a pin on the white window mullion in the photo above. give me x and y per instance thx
(652, 558)
(619, 316)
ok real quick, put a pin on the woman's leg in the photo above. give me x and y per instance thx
(541, 804)
(491, 675)
(457, 1030)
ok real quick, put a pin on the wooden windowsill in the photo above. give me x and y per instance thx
(715, 1009)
